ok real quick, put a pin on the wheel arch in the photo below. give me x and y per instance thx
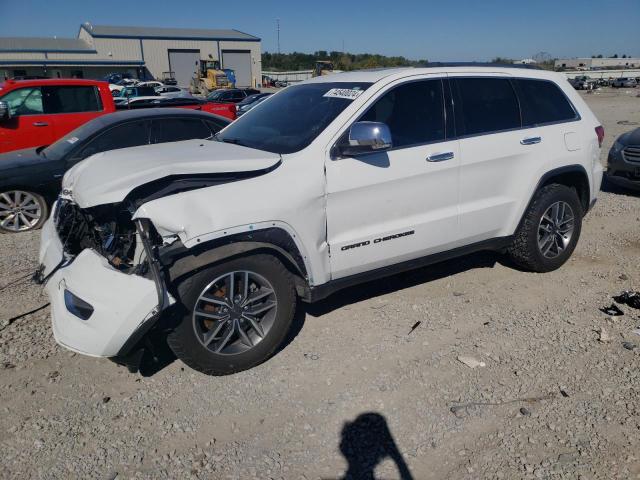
(48, 195)
(572, 176)
(181, 262)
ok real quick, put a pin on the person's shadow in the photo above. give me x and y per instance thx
(367, 442)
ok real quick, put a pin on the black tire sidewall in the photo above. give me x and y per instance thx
(183, 339)
(548, 197)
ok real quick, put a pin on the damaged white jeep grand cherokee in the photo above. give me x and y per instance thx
(331, 182)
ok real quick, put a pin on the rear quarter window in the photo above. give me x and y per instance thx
(542, 101)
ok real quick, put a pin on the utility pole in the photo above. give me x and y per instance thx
(278, 30)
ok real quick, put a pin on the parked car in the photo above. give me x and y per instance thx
(30, 178)
(170, 91)
(249, 102)
(227, 110)
(582, 83)
(231, 95)
(129, 94)
(38, 112)
(115, 77)
(624, 82)
(332, 182)
(151, 83)
(623, 164)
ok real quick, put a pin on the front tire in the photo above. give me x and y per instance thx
(237, 314)
(549, 231)
(22, 211)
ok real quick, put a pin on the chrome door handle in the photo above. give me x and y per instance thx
(440, 157)
(40, 124)
(531, 140)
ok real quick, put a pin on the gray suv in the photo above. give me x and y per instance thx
(624, 160)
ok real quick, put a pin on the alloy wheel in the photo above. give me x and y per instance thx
(234, 312)
(19, 211)
(556, 229)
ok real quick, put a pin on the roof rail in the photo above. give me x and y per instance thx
(480, 64)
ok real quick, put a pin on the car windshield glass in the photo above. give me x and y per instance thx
(293, 118)
(218, 94)
(73, 139)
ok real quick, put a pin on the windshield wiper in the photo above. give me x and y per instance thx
(235, 141)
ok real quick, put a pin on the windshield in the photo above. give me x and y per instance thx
(217, 95)
(60, 149)
(293, 118)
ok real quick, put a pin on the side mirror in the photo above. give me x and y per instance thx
(366, 137)
(5, 111)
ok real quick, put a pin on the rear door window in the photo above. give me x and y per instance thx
(178, 129)
(485, 105)
(543, 102)
(71, 99)
(130, 134)
(414, 112)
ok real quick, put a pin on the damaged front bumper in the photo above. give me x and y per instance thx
(95, 308)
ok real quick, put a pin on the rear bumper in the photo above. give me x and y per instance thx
(95, 308)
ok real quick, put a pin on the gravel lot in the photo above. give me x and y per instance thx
(356, 390)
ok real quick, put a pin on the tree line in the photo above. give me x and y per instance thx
(340, 60)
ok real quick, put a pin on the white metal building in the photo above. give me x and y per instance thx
(143, 52)
(595, 63)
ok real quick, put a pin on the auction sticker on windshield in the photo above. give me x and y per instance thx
(347, 93)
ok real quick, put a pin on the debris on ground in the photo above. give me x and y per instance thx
(415, 325)
(471, 362)
(612, 310)
(629, 298)
(629, 345)
(524, 411)
(604, 335)
(463, 406)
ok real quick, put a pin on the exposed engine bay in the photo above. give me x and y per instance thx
(107, 229)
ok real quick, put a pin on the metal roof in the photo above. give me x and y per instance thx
(111, 31)
(43, 44)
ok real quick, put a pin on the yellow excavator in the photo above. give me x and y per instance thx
(322, 67)
(210, 76)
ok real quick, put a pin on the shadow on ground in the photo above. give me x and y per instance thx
(404, 280)
(365, 443)
(157, 354)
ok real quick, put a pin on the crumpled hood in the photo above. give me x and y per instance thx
(108, 177)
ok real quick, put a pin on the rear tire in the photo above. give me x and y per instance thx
(549, 231)
(228, 327)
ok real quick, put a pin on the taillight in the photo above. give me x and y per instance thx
(600, 134)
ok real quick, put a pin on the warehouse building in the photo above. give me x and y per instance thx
(595, 63)
(142, 52)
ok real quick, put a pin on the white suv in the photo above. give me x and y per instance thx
(331, 182)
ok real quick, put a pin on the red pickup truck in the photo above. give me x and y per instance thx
(35, 113)
(38, 112)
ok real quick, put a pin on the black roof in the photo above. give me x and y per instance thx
(143, 113)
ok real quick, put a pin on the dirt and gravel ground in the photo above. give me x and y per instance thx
(356, 390)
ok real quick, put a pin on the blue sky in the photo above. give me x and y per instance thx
(444, 30)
